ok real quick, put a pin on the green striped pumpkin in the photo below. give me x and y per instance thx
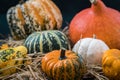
(46, 41)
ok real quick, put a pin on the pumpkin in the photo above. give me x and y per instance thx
(46, 41)
(63, 65)
(91, 50)
(11, 58)
(100, 20)
(33, 15)
(111, 64)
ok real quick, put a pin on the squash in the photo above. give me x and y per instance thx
(11, 58)
(63, 65)
(33, 15)
(4, 46)
(46, 41)
(111, 64)
(100, 20)
(91, 50)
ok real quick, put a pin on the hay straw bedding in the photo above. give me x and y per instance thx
(34, 72)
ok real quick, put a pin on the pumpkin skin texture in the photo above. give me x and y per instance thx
(100, 20)
(33, 15)
(91, 50)
(4, 46)
(46, 41)
(111, 64)
(11, 57)
(67, 67)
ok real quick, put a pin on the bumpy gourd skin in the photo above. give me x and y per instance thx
(11, 58)
(31, 16)
(111, 64)
(100, 20)
(70, 68)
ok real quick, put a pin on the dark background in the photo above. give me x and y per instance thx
(68, 8)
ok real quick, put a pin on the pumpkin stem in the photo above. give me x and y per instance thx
(93, 1)
(62, 54)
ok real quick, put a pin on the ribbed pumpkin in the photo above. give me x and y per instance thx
(91, 50)
(63, 65)
(46, 41)
(11, 57)
(100, 20)
(33, 15)
(111, 64)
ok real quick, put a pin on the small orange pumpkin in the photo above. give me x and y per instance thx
(111, 64)
(63, 65)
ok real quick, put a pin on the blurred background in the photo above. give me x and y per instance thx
(68, 8)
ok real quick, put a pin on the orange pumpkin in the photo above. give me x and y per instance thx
(100, 20)
(63, 65)
(111, 64)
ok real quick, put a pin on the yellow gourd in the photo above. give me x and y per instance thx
(11, 58)
(111, 64)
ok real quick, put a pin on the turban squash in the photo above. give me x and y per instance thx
(11, 57)
(111, 64)
(91, 50)
(63, 65)
(46, 41)
(33, 15)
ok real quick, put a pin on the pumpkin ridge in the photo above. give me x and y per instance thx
(58, 18)
(20, 18)
(28, 18)
(51, 15)
(49, 42)
(13, 25)
(57, 39)
(39, 19)
(35, 46)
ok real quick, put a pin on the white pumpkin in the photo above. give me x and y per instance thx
(91, 50)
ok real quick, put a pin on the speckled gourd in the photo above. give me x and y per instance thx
(33, 15)
(10, 58)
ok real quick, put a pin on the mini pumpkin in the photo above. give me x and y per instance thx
(111, 64)
(63, 65)
(46, 41)
(33, 15)
(11, 58)
(91, 50)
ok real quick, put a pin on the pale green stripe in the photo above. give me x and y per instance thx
(35, 46)
(41, 46)
(57, 38)
(49, 42)
(30, 41)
